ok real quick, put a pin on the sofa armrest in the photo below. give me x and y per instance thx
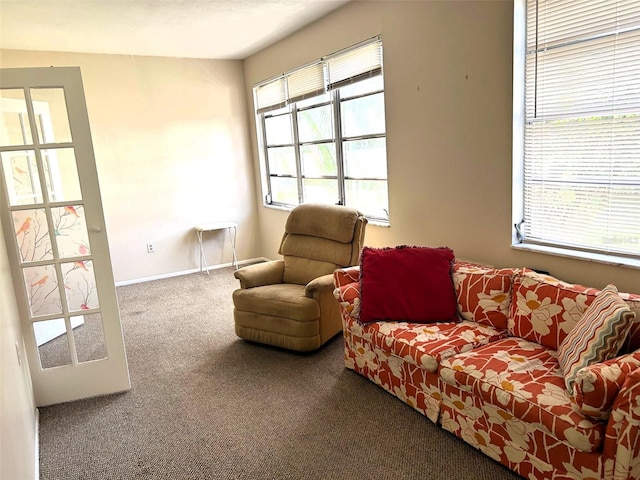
(266, 273)
(622, 438)
(345, 276)
(348, 296)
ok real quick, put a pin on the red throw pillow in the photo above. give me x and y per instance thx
(405, 283)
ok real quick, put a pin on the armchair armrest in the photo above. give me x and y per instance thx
(267, 273)
(622, 437)
(319, 284)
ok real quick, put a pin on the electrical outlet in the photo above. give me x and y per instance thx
(150, 248)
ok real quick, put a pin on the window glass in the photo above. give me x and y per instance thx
(320, 190)
(319, 159)
(315, 124)
(365, 158)
(284, 190)
(278, 130)
(374, 84)
(329, 148)
(282, 161)
(362, 116)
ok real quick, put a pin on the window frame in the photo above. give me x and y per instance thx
(335, 99)
(518, 163)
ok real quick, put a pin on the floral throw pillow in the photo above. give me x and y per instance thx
(483, 293)
(597, 336)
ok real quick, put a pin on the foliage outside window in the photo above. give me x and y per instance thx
(577, 127)
(322, 133)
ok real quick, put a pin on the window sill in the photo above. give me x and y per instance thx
(588, 256)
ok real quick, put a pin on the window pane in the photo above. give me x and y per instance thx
(325, 97)
(374, 84)
(363, 116)
(318, 190)
(284, 190)
(319, 160)
(365, 158)
(282, 161)
(315, 124)
(368, 196)
(278, 130)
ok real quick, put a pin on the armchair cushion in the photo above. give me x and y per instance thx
(416, 279)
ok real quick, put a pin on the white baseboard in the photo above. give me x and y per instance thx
(187, 272)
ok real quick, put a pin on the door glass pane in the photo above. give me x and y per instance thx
(50, 109)
(89, 337)
(80, 285)
(14, 123)
(365, 158)
(319, 159)
(53, 343)
(71, 233)
(320, 190)
(61, 174)
(363, 116)
(32, 235)
(42, 290)
(315, 124)
(21, 177)
(284, 190)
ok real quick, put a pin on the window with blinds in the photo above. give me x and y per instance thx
(321, 132)
(580, 173)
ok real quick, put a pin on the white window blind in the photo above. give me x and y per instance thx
(331, 72)
(582, 125)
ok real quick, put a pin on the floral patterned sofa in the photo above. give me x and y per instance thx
(492, 377)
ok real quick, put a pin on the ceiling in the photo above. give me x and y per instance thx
(219, 29)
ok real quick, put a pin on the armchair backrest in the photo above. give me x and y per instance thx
(318, 239)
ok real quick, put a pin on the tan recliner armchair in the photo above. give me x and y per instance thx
(289, 303)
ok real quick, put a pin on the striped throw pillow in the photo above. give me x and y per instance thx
(597, 336)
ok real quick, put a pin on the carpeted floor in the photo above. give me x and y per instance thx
(207, 405)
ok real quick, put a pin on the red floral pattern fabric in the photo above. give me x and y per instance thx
(525, 437)
(597, 386)
(524, 379)
(483, 293)
(544, 309)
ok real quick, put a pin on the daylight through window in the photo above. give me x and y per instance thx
(577, 135)
(322, 135)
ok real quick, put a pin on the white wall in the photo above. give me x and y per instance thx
(172, 150)
(448, 93)
(18, 422)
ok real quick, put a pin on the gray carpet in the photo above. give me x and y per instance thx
(207, 405)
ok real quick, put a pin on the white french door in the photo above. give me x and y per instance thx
(55, 234)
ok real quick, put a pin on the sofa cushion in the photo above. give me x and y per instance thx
(544, 309)
(597, 385)
(598, 335)
(524, 379)
(407, 283)
(483, 293)
(425, 345)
